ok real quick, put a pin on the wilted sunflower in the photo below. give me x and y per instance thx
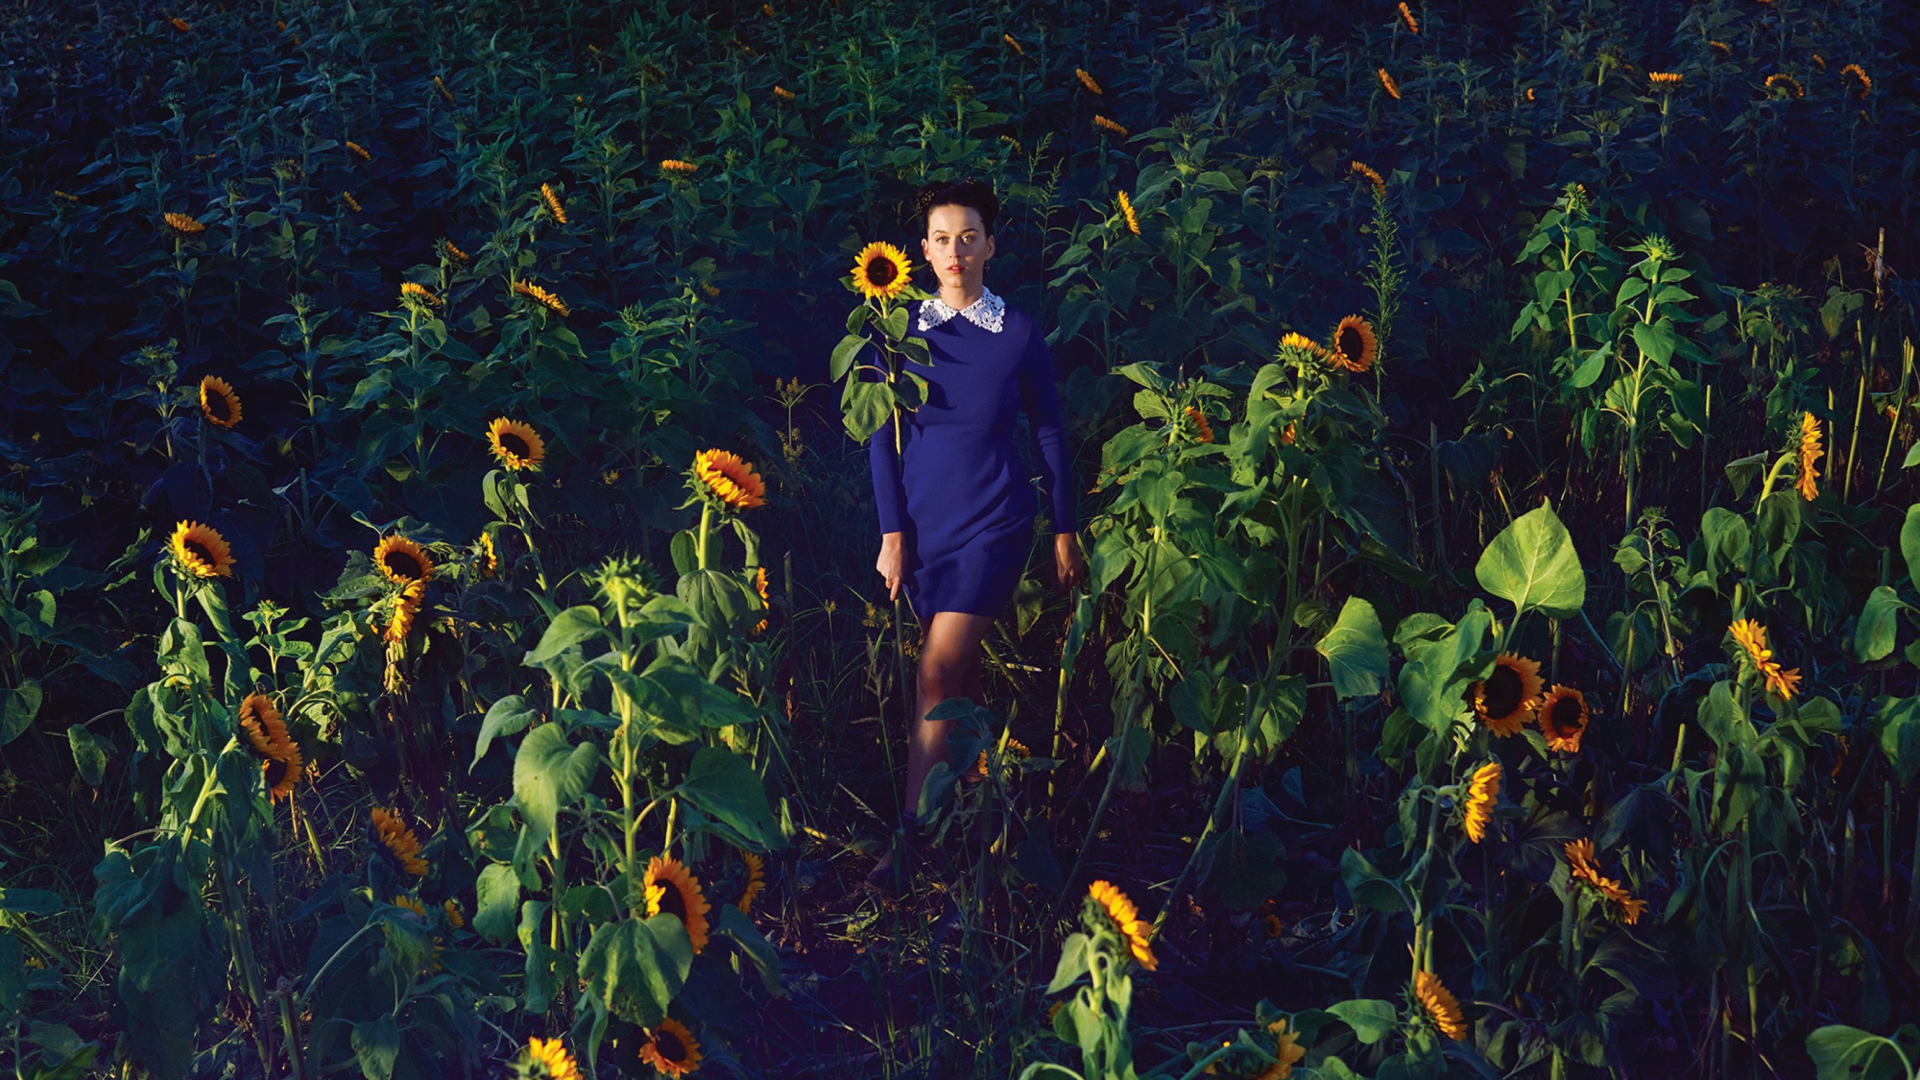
(359, 151)
(783, 95)
(671, 1049)
(1114, 906)
(516, 445)
(1810, 452)
(1863, 84)
(542, 297)
(554, 206)
(1563, 718)
(398, 841)
(1505, 700)
(760, 586)
(684, 168)
(1108, 125)
(1440, 1005)
(218, 403)
(1202, 430)
(551, 1060)
(730, 479)
(756, 882)
(1386, 83)
(400, 627)
(1086, 80)
(183, 224)
(672, 888)
(881, 271)
(200, 550)
(1789, 85)
(1406, 17)
(1126, 211)
(402, 560)
(1354, 345)
(1012, 44)
(418, 293)
(1379, 185)
(1483, 791)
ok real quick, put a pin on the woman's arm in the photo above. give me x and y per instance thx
(1042, 402)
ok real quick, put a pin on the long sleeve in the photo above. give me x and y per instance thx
(1041, 399)
(889, 494)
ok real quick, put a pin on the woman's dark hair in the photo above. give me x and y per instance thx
(971, 193)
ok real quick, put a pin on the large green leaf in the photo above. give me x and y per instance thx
(1840, 1052)
(498, 890)
(1874, 635)
(1356, 650)
(637, 967)
(1909, 543)
(569, 628)
(1533, 564)
(89, 754)
(724, 787)
(549, 774)
(1370, 1018)
(509, 716)
(18, 707)
(866, 406)
(376, 1045)
(1435, 677)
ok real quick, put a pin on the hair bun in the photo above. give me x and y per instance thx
(925, 196)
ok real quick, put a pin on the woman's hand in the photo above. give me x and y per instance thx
(892, 562)
(1069, 568)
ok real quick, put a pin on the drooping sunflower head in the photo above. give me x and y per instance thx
(1752, 638)
(393, 836)
(282, 772)
(1126, 212)
(1287, 1050)
(1780, 85)
(1810, 452)
(1580, 862)
(1440, 1005)
(359, 151)
(451, 909)
(218, 403)
(516, 445)
(406, 607)
(672, 888)
(1012, 44)
(184, 224)
(402, 560)
(760, 586)
(1406, 17)
(1386, 83)
(352, 203)
(730, 479)
(1505, 700)
(452, 251)
(881, 271)
(1863, 84)
(1483, 791)
(1563, 718)
(1354, 344)
(542, 297)
(555, 207)
(1363, 169)
(1664, 82)
(1106, 901)
(413, 294)
(488, 563)
(1725, 50)
(1202, 428)
(1086, 80)
(200, 551)
(756, 882)
(547, 1059)
(261, 723)
(671, 1049)
(1105, 124)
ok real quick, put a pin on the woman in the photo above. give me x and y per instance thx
(956, 507)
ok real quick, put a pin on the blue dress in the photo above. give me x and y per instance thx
(957, 489)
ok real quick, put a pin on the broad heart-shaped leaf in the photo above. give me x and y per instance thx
(844, 355)
(18, 707)
(89, 754)
(1897, 720)
(510, 715)
(376, 1043)
(1909, 547)
(549, 774)
(637, 967)
(1874, 635)
(498, 890)
(1533, 564)
(1356, 650)
(1437, 672)
(1847, 1053)
(724, 787)
(866, 406)
(569, 628)
(1370, 1018)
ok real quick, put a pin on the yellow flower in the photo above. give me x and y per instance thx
(1287, 1050)
(201, 551)
(1379, 185)
(1203, 431)
(1440, 1005)
(454, 252)
(1859, 75)
(760, 585)
(516, 445)
(417, 292)
(353, 204)
(1294, 340)
(1752, 638)
(1506, 699)
(398, 841)
(756, 882)
(552, 1058)
(1108, 125)
(1013, 142)
(1721, 47)
(1664, 82)
(400, 627)
(1819, 61)
(671, 1049)
(1086, 80)
(1354, 344)
(554, 205)
(489, 559)
(1126, 210)
(1810, 452)
(184, 224)
(454, 918)
(1563, 718)
(218, 403)
(1407, 17)
(881, 271)
(672, 888)
(783, 95)
(411, 904)
(181, 25)
(402, 560)
(359, 151)
(1386, 83)
(731, 479)
(674, 165)
(1126, 919)
(1581, 867)
(1012, 44)
(542, 297)
(1787, 84)
(437, 85)
(261, 723)
(1482, 792)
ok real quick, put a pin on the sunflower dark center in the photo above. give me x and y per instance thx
(669, 1046)
(515, 445)
(220, 408)
(1351, 343)
(276, 771)
(1565, 714)
(1502, 692)
(881, 271)
(673, 903)
(403, 564)
(198, 550)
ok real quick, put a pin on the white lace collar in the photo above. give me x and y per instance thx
(985, 312)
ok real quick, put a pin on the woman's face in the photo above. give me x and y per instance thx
(956, 246)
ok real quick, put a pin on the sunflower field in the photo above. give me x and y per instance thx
(440, 630)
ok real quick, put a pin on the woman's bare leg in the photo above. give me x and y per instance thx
(949, 668)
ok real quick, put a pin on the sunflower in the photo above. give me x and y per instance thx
(1630, 908)
(552, 1059)
(554, 205)
(1482, 792)
(1203, 431)
(1354, 346)
(1012, 44)
(359, 151)
(1810, 452)
(418, 294)
(1386, 83)
(1407, 17)
(442, 87)
(181, 25)
(1563, 718)
(200, 550)
(1287, 1050)
(1114, 905)
(730, 479)
(398, 841)
(542, 297)
(1126, 211)
(1086, 80)
(1819, 61)
(1108, 125)
(353, 204)
(1013, 142)
(454, 918)
(218, 403)
(672, 888)
(262, 724)
(183, 224)
(412, 904)
(453, 251)
(760, 585)
(756, 882)
(684, 168)
(1580, 864)
(1581, 867)
(1440, 1005)
(1664, 82)
(881, 271)
(1505, 700)
(1294, 340)
(783, 95)
(282, 773)
(400, 627)
(1379, 185)
(1786, 83)
(489, 562)
(515, 444)
(402, 560)
(671, 1049)
(1752, 638)
(1725, 50)
(1859, 75)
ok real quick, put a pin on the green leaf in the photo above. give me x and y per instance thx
(724, 787)
(1533, 564)
(1876, 632)
(844, 355)
(734, 923)
(89, 754)
(865, 407)
(376, 1044)
(1590, 369)
(549, 774)
(498, 890)
(1370, 1018)
(569, 628)
(18, 707)
(1356, 650)
(1909, 549)
(1072, 964)
(509, 716)
(1655, 340)
(637, 967)
(1840, 1052)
